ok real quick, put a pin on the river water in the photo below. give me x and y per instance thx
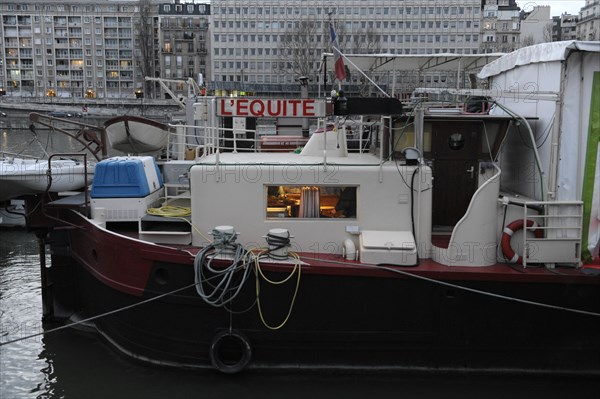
(75, 364)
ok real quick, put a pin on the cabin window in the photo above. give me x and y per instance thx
(311, 202)
(404, 136)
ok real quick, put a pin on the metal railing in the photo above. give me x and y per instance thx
(561, 223)
(194, 142)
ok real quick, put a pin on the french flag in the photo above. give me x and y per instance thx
(340, 69)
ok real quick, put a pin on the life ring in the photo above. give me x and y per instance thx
(508, 232)
(230, 351)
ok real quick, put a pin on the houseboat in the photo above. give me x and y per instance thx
(442, 241)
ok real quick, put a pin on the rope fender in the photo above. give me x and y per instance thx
(507, 234)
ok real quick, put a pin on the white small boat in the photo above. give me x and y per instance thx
(22, 176)
(137, 135)
(12, 214)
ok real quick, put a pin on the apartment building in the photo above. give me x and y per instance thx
(104, 49)
(501, 26)
(183, 40)
(536, 26)
(264, 46)
(568, 26)
(588, 26)
(69, 48)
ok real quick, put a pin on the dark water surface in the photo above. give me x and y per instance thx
(74, 364)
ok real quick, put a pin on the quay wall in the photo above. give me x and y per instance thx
(164, 109)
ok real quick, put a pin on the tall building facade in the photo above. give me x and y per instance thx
(536, 26)
(588, 26)
(264, 46)
(568, 27)
(501, 26)
(69, 48)
(105, 49)
(183, 42)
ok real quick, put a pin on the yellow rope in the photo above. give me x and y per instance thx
(171, 211)
(297, 266)
(176, 212)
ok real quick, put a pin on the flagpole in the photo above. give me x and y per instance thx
(325, 76)
(362, 73)
(339, 53)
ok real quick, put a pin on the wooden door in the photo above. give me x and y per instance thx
(455, 149)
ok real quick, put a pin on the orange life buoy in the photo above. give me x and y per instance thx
(508, 232)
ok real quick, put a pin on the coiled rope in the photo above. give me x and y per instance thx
(275, 243)
(170, 211)
(176, 212)
(241, 262)
(230, 279)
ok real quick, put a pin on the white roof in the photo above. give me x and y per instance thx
(543, 52)
(401, 62)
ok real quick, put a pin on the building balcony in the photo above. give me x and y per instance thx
(588, 18)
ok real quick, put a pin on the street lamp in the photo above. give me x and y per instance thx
(51, 93)
(140, 94)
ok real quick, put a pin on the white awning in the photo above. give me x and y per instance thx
(543, 52)
(401, 62)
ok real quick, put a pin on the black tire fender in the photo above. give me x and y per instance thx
(230, 365)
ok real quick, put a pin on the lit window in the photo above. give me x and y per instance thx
(311, 202)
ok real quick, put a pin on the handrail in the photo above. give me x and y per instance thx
(552, 224)
(85, 175)
(475, 195)
(16, 155)
(213, 138)
(86, 135)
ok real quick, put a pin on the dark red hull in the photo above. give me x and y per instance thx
(345, 315)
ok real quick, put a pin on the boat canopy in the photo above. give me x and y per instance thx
(543, 52)
(568, 70)
(407, 62)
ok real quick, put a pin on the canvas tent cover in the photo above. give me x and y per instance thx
(544, 52)
(571, 70)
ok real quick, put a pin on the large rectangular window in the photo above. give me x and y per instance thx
(311, 202)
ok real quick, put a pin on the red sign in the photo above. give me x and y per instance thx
(271, 108)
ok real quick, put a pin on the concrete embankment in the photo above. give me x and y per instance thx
(163, 109)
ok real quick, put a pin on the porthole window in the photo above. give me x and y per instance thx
(457, 141)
